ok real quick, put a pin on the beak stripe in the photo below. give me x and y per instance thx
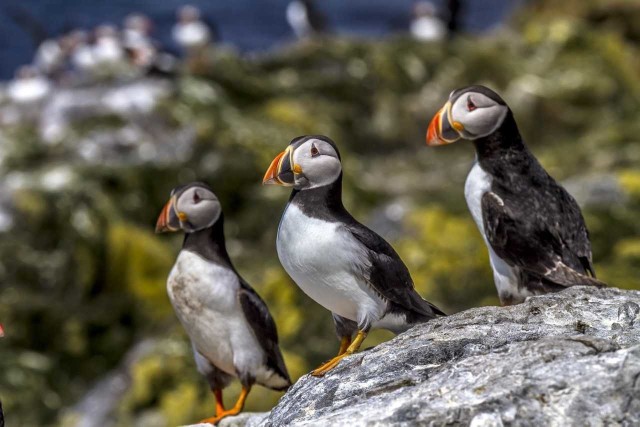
(168, 216)
(280, 171)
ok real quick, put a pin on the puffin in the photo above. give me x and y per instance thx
(426, 25)
(29, 87)
(231, 330)
(191, 32)
(533, 228)
(107, 51)
(305, 19)
(338, 262)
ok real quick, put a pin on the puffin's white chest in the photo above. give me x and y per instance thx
(204, 297)
(477, 184)
(328, 264)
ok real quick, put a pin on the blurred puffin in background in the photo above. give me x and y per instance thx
(231, 330)
(426, 25)
(191, 32)
(338, 262)
(305, 19)
(107, 49)
(28, 86)
(537, 238)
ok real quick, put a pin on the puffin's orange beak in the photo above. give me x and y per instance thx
(433, 137)
(1, 331)
(441, 131)
(280, 171)
(169, 220)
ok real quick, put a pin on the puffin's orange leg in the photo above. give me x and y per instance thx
(233, 411)
(219, 403)
(345, 342)
(351, 348)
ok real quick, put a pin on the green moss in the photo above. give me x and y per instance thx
(447, 258)
(139, 262)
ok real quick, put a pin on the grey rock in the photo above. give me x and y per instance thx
(566, 359)
(244, 419)
(97, 408)
(571, 358)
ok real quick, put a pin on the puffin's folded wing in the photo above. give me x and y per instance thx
(528, 243)
(264, 328)
(387, 274)
(575, 233)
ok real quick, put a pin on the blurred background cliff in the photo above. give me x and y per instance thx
(122, 101)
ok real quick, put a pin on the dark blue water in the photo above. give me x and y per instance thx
(248, 24)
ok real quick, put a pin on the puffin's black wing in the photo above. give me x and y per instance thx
(532, 242)
(575, 233)
(264, 328)
(387, 274)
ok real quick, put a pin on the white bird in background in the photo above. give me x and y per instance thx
(50, 56)
(426, 25)
(107, 50)
(82, 57)
(28, 86)
(136, 39)
(305, 19)
(191, 32)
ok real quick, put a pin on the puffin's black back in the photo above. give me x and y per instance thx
(535, 205)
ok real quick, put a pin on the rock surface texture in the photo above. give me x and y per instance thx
(571, 358)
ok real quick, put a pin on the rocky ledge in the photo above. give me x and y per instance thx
(571, 358)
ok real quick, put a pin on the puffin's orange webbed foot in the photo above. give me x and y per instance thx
(327, 366)
(346, 348)
(233, 411)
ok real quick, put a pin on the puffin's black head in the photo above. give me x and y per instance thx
(471, 113)
(308, 162)
(192, 207)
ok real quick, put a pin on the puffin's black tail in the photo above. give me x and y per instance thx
(564, 276)
(424, 307)
(421, 310)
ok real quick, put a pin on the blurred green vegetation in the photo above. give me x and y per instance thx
(83, 276)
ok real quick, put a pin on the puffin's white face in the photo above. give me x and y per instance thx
(315, 164)
(191, 209)
(468, 114)
(478, 114)
(308, 162)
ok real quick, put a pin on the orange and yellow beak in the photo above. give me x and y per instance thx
(169, 219)
(442, 130)
(281, 171)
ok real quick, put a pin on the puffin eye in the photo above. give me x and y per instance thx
(470, 105)
(196, 197)
(314, 150)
